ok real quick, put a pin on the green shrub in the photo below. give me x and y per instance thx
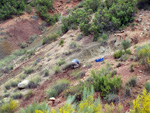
(35, 108)
(105, 83)
(78, 73)
(127, 92)
(56, 69)
(31, 39)
(124, 57)
(61, 43)
(132, 82)
(17, 95)
(52, 93)
(10, 8)
(61, 85)
(50, 38)
(28, 70)
(22, 45)
(143, 54)
(125, 44)
(128, 51)
(61, 62)
(112, 98)
(30, 53)
(58, 88)
(75, 90)
(147, 86)
(7, 85)
(14, 83)
(36, 79)
(131, 68)
(28, 94)
(72, 21)
(28, 8)
(22, 76)
(104, 36)
(114, 72)
(46, 72)
(118, 54)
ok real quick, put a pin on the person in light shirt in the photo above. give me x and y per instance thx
(75, 63)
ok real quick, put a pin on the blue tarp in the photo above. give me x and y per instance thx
(99, 60)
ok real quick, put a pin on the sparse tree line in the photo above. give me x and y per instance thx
(108, 16)
(9, 8)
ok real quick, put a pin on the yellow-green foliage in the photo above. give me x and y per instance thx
(111, 108)
(90, 106)
(144, 55)
(87, 105)
(142, 103)
(9, 107)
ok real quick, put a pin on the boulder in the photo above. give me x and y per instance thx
(52, 99)
(23, 84)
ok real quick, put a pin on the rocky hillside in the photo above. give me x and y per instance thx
(37, 77)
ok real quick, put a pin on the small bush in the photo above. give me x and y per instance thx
(132, 82)
(22, 45)
(124, 57)
(56, 69)
(109, 108)
(22, 76)
(50, 38)
(114, 72)
(28, 70)
(9, 107)
(46, 73)
(147, 86)
(61, 85)
(7, 85)
(14, 83)
(143, 54)
(61, 62)
(30, 53)
(127, 92)
(112, 98)
(141, 104)
(61, 43)
(125, 44)
(58, 88)
(128, 51)
(28, 9)
(73, 45)
(105, 83)
(36, 79)
(131, 68)
(75, 90)
(36, 108)
(118, 54)
(28, 94)
(52, 93)
(104, 36)
(17, 95)
(78, 73)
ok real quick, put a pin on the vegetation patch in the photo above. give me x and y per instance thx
(58, 88)
(50, 38)
(132, 82)
(105, 83)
